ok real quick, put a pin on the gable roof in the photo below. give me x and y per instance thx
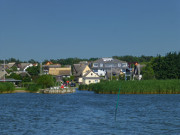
(60, 71)
(78, 68)
(10, 65)
(22, 66)
(87, 73)
(2, 74)
(93, 77)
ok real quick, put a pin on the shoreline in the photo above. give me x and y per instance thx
(15, 91)
(20, 91)
(116, 92)
(42, 91)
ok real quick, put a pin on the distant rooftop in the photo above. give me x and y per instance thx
(107, 59)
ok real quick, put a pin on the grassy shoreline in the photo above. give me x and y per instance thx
(135, 87)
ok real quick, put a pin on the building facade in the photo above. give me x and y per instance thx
(103, 65)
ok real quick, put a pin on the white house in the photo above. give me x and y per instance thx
(90, 77)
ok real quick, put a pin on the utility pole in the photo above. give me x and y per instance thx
(4, 72)
(41, 68)
(111, 72)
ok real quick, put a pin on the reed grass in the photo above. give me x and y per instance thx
(135, 87)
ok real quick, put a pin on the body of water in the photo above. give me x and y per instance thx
(86, 113)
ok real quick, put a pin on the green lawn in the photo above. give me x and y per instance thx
(20, 88)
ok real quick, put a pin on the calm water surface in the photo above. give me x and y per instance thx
(86, 113)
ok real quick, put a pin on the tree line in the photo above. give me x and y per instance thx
(163, 67)
(159, 67)
(71, 61)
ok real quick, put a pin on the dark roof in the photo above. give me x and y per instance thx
(78, 68)
(51, 66)
(10, 80)
(83, 62)
(114, 72)
(87, 73)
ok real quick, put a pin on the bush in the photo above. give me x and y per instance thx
(33, 87)
(6, 87)
(45, 81)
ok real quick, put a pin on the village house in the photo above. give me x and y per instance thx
(49, 65)
(60, 72)
(79, 70)
(106, 65)
(90, 77)
(9, 65)
(24, 66)
(84, 75)
(2, 74)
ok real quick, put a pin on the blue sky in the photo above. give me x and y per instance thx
(54, 29)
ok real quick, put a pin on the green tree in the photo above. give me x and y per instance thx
(32, 61)
(148, 72)
(15, 76)
(45, 81)
(34, 70)
(72, 78)
(26, 79)
(167, 67)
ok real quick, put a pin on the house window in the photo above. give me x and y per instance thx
(91, 74)
(124, 65)
(101, 64)
(95, 70)
(119, 64)
(89, 81)
(109, 65)
(96, 81)
(95, 65)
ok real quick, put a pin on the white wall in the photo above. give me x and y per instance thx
(89, 81)
(101, 72)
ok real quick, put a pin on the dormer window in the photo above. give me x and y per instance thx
(95, 65)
